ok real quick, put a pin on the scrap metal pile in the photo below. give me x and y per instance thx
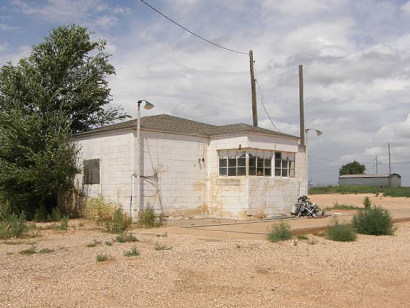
(306, 208)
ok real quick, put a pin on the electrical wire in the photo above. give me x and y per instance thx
(263, 104)
(193, 33)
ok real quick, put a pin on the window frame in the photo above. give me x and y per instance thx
(240, 164)
(285, 164)
(92, 171)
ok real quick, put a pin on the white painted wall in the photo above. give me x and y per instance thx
(180, 164)
(115, 151)
(180, 175)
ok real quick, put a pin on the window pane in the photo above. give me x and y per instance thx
(260, 162)
(284, 172)
(267, 172)
(292, 165)
(277, 172)
(292, 173)
(268, 162)
(277, 163)
(241, 171)
(260, 171)
(242, 161)
(252, 171)
(284, 164)
(232, 162)
(222, 162)
(252, 161)
(231, 171)
(223, 171)
(91, 171)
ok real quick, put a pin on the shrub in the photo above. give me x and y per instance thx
(29, 251)
(124, 238)
(374, 221)
(367, 203)
(11, 224)
(119, 223)
(279, 232)
(103, 257)
(63, 224)
(159, 247)
(99, 210)
(340, 232)
(148, 219)
(133, 252)
(56, 214)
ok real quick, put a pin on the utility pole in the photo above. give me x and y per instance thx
(302, 107)
(377, 163)
(388, 145)
(253, 89)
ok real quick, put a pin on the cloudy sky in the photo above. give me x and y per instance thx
(355, 55)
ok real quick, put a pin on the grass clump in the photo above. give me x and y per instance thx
(119, 223)
(340, 232)
(338, 206)
(374, 221)
(101, 257)
(148, 219)
(133, 252)
(11, 225)
(279, 232)
(159, 247)
(46, 250)
(126, 237)
(29, 251)
(93, 244)
(302, 237)
(63, 225)
(99, 210)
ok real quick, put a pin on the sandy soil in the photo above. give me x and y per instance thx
(205, 268)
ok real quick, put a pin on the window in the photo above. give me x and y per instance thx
(260, 165)
(232, 165)
(285, 164)
(236, 164)
(92, 171)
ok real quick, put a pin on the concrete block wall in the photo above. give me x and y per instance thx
(175, 171)
(115, 151)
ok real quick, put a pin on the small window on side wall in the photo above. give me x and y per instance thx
(92, 171)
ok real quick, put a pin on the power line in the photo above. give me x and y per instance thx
(193, 33)
(263, 105)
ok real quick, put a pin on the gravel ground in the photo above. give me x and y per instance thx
(204, 271)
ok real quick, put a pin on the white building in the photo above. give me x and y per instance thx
(188, 168)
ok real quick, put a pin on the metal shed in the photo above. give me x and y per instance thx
(370, 180)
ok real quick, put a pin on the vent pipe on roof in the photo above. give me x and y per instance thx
(302, 107)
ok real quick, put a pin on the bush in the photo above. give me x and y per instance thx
(63, 224)
(11, 224)
(148, 219)
(279, 232)
(374, 221)
(340, 232)
(124, 238)
(133, 252)
(99, 210)
(367, 203)
(119, 223)
(103, 257)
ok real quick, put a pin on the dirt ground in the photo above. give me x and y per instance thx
(211, 263)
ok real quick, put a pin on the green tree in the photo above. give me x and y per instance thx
(352, 168)
(60, 89)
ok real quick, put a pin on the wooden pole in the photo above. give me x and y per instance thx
(253, 89)
(388, 145)
(302, 107)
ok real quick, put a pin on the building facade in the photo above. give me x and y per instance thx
(192, 169)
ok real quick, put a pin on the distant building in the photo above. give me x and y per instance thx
(370, 180)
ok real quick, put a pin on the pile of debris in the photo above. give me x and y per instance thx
(306, 208)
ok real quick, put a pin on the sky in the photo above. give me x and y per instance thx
(355, 56)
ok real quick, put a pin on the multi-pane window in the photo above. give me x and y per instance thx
(91, 171)
(232, 165)
(242, 163)
(285, 164)
(260, 165)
